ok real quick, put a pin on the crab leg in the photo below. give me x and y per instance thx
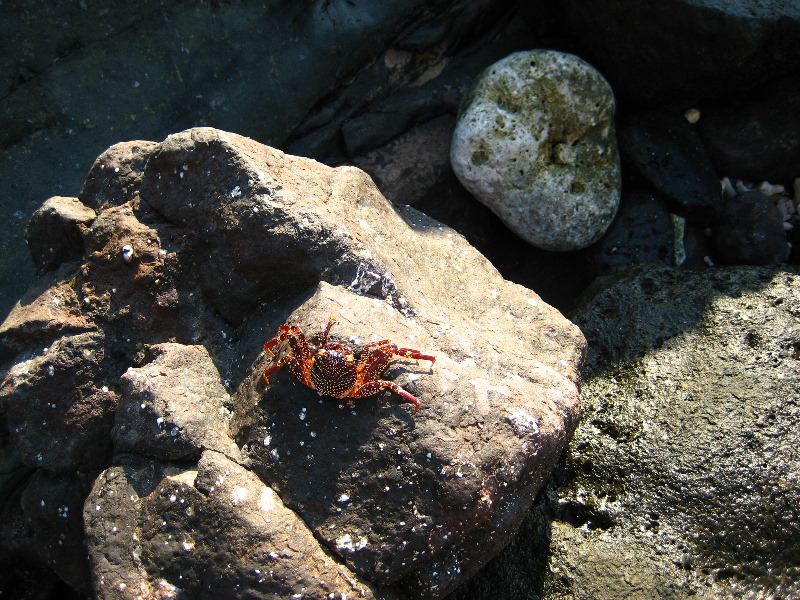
(411, 353)
(373, 387)
(299, 353)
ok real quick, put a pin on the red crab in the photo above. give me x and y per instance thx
(335, 370)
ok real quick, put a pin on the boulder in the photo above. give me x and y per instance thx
(60, 404)
(681, 481)
(535, 142)
(174, 407)
(205, 246)
(213, 530)
(54, 232)
(683, 471)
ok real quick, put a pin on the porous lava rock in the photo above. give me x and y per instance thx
(669, 153)
(750, 231)
(682, 480)
(149, 369)
(535, 142)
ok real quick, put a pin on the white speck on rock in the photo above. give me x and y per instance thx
(345, 543)
(523, 423)
(238, 495)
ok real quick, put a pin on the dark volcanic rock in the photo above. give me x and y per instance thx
(59, 405)
(363, 493)
(756, 136)
(174, 407)
(679, 51)
(681, 482)
(686, 456)
(157, 530)
(273, 72)
(54, 232)
(751, 231)
(670, 154)
(643, 231)
(53, 506)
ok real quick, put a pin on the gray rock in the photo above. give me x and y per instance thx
(174, 407)
(54, 232)
(535, 142)
(427, 498)
(681, 480)
(685, 461)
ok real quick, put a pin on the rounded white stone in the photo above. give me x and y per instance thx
(535, 142)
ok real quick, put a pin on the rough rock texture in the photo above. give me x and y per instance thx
(59, 407)
(643, 231)
(76, 78)
(54, 232)
(687, 452)
(679, 51)
(682, 479)
(364, 495)
(535, 142)
(161, 418)
(212, 530)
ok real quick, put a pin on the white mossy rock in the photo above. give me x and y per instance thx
(535, 143)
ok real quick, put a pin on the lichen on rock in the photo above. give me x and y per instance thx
(535, 143)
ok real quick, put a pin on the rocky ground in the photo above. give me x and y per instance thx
(644, 448)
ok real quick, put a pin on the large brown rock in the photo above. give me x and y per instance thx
(192, 262)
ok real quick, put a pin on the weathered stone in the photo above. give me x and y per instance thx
(116, 174)
(750, 231)
(177, 66)
(642, 232)
(60, 405)
(415, 170)
(686, 451)
(451, 483)
(535, 142)
(670, 154)
(174, 407)
(54, 232)
(49, 309)
(273, 236)
(212, 530)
